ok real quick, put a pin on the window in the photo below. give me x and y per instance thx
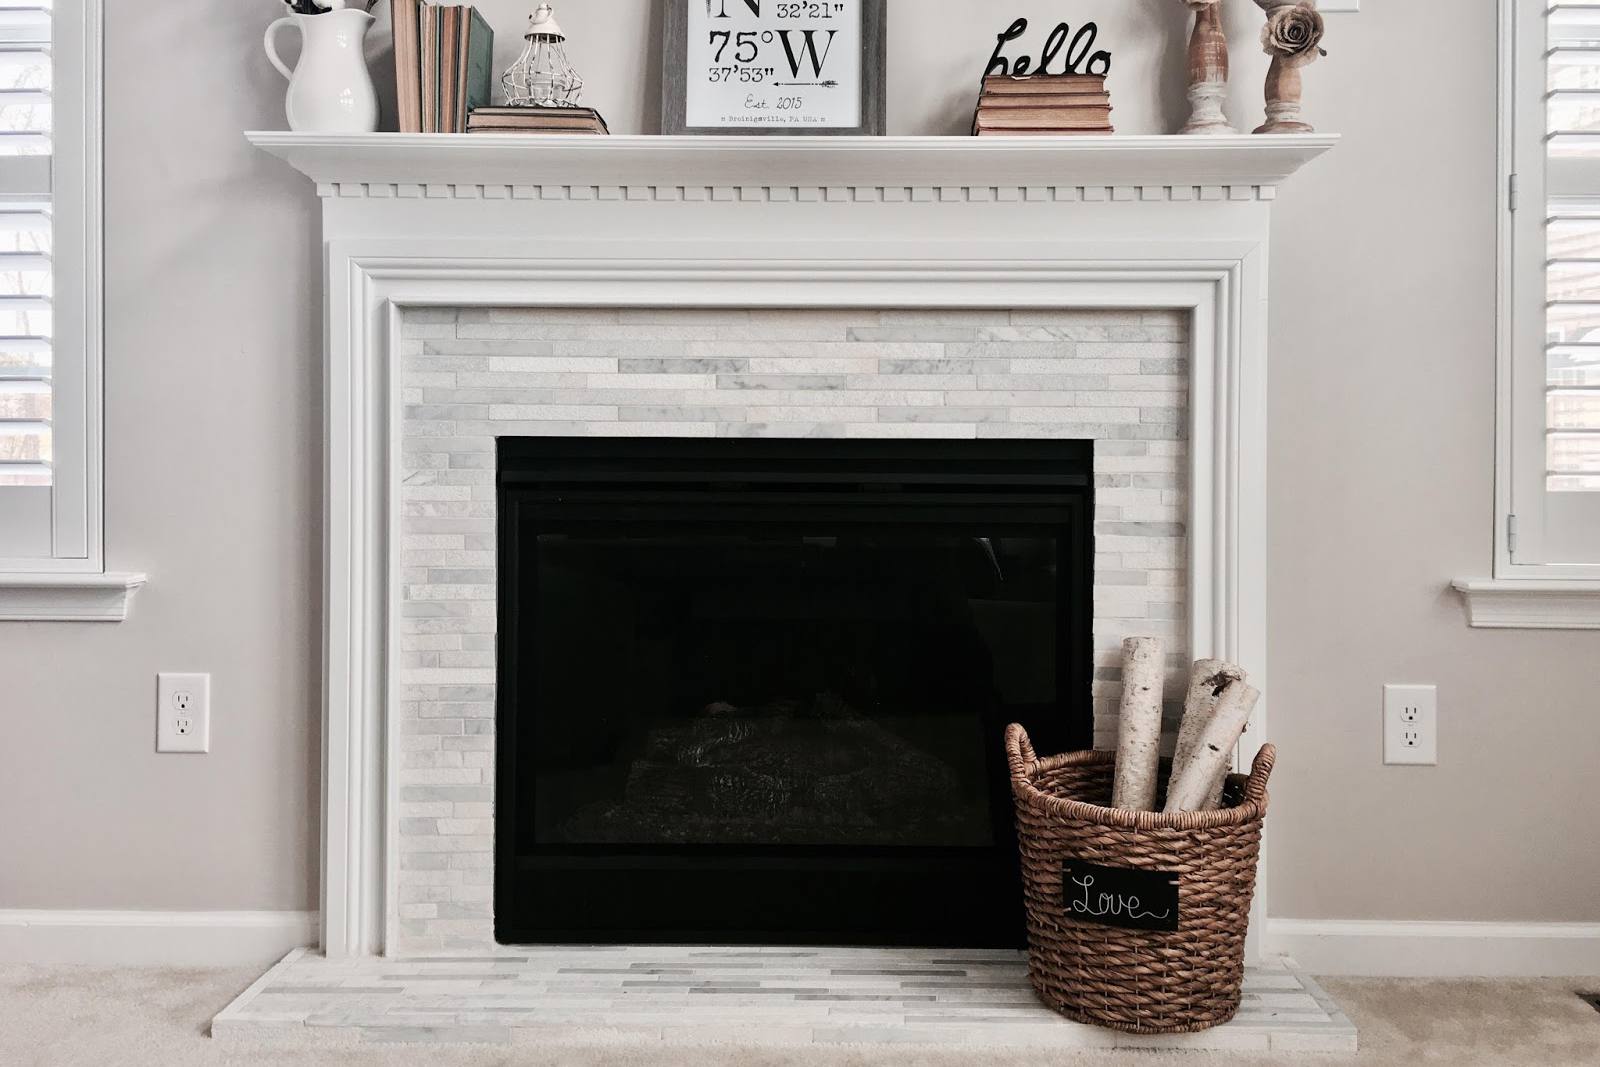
(1549, 484)
(49, 285)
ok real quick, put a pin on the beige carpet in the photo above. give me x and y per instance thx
(65, 1015)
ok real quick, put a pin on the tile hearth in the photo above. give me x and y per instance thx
(769, 997)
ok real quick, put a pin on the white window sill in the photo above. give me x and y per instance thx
(1531, 604)
(67, 597)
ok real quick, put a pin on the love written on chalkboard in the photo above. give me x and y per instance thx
(1081, 57)
(1120, 896)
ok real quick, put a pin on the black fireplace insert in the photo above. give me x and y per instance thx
(753, 691)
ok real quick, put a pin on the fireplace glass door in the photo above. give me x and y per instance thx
(754, 691)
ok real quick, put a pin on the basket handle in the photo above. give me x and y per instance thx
(1255, 788)
(1019, 751)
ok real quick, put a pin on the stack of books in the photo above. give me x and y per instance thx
(443, 65)
(1043, 105)
(536, 120)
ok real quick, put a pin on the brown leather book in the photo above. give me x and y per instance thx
(1032, 118)
(536, 120)
(552, 125)
(527, 132)
(429, 62)
(1045, 133)
(533, 112)
(1044, 83)
(408, 63)
(1044, 100)
(449, 61)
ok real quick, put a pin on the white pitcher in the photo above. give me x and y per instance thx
(330, 90)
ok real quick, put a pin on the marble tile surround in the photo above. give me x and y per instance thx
(632, 996)
(471, 375)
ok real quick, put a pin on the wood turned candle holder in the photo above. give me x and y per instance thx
(1208, 73)
(1293, 38)
(1283, 91)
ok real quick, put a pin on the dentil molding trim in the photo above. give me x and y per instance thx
(66, 597)
(1531, 604)
(795, 169)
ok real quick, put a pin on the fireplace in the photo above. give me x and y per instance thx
(752, 691)
(820, 288)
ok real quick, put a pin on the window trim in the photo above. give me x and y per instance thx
(71, 584)
(1520, 595)
(77, 493)
(1520, 416)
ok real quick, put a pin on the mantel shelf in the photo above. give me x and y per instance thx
(1135, 162)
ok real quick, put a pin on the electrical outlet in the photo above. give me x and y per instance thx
(183, 713)
(1410, 724)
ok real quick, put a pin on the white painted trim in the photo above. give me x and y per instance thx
(42, 597)
(152, 938)
(1557, 534)
(68, 535)
(421, 166)
(1222, 285)
(78, 354)
(1531, 605)
(1505, 290)
(1437, 949)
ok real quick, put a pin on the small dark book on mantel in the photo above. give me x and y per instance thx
(1043, 105)
(536, 120)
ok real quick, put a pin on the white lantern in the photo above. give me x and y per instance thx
(543, 76)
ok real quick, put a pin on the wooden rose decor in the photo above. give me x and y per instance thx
(1293, 38)
(1208, 70)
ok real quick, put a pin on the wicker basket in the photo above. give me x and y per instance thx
(1137, 980)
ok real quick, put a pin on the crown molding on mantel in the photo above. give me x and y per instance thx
(795, 168)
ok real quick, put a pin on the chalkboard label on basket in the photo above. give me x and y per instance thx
(1120, 896)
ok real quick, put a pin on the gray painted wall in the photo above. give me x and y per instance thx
(1382, 394)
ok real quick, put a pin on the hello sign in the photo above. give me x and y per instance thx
(1081, 56)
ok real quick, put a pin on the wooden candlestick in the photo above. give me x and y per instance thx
(1208, 73)
(1283, 99)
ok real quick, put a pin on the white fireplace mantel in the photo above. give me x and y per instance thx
(647, 222)
(429, 164)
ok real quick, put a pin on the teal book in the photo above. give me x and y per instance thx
(477, 66)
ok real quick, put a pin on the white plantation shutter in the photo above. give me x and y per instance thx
(25, 243)
(50, 350)
(1554, 365)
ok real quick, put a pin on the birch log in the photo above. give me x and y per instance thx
(1219, 782)
(1213, 753)
(1208, 678)
(1139, 727)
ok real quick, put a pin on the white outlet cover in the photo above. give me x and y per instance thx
(183, 712)
(1411, 725)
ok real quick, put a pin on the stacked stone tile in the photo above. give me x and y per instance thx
(469, 376)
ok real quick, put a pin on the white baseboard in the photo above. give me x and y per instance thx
(1436, 949)
(153, 938)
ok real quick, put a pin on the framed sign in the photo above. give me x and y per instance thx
(773, 66)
